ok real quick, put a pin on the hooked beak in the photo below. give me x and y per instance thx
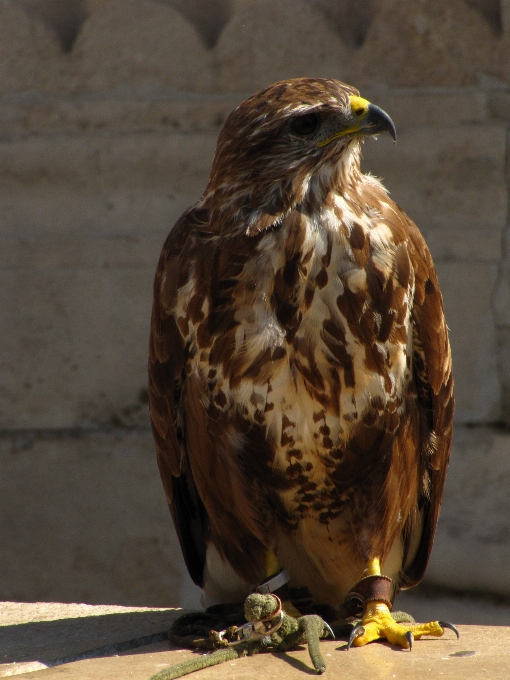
(367, 119)
(377, 120)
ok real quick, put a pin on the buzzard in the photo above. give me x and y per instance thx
(301, 392)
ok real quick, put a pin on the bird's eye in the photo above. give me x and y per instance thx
(305, 125)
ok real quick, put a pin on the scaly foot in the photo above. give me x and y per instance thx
(290, 610)
(377, 623)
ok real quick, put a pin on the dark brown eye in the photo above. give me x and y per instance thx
(305, 125)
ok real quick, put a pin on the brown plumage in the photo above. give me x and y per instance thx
(301, 391)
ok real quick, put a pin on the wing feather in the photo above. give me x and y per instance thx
(166, 384)
(204, 451)
(433, 377)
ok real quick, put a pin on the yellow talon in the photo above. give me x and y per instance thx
(378, 623)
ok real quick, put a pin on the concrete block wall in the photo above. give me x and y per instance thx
(109, 113)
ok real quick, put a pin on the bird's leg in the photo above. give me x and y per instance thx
(276, 582)
(377, 622)
(272, 564)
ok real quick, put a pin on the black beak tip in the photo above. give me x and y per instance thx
(379, 121)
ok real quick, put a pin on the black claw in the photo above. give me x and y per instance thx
(410, 638)
(328, 629)
(357, 632)
(446, 624)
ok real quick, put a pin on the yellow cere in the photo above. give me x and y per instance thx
(359, 108)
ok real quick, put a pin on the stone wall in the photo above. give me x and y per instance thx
(109, 113)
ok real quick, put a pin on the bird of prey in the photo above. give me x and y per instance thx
(301, 392)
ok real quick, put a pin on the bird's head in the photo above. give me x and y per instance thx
(293, 139)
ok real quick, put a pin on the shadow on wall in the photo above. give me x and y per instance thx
(351, 18)
(243, 45)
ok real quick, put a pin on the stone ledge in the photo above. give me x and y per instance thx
(41, 635)
(39, 646)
